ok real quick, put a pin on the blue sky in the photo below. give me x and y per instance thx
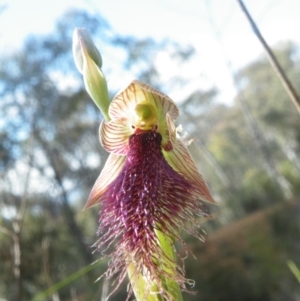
(186, 21)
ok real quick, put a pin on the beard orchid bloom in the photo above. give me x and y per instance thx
(149, 185)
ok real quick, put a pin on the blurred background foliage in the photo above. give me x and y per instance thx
(50, 156)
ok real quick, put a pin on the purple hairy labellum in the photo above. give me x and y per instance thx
(149, 183)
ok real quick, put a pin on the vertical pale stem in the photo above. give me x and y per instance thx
(173, 287)
(143, 290)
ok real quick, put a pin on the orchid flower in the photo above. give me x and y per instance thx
(149, 191)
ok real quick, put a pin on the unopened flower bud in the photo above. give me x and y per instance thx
(88, 61)
(80, 35)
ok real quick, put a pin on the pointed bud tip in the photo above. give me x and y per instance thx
(88, 62)
(81, 38)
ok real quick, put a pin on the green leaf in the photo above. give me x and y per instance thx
(65, 282)
(294, 269)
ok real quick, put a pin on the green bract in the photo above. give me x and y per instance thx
(80, 35)
(88, 62)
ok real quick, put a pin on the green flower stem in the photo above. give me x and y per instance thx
(167, 247)
(142, 290)
(145, 291)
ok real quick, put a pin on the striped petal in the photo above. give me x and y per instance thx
(169, 138)
(114, 136)
(110, 171)
(137, 92)
(125, 102)
(163, 102)
(180, 160)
